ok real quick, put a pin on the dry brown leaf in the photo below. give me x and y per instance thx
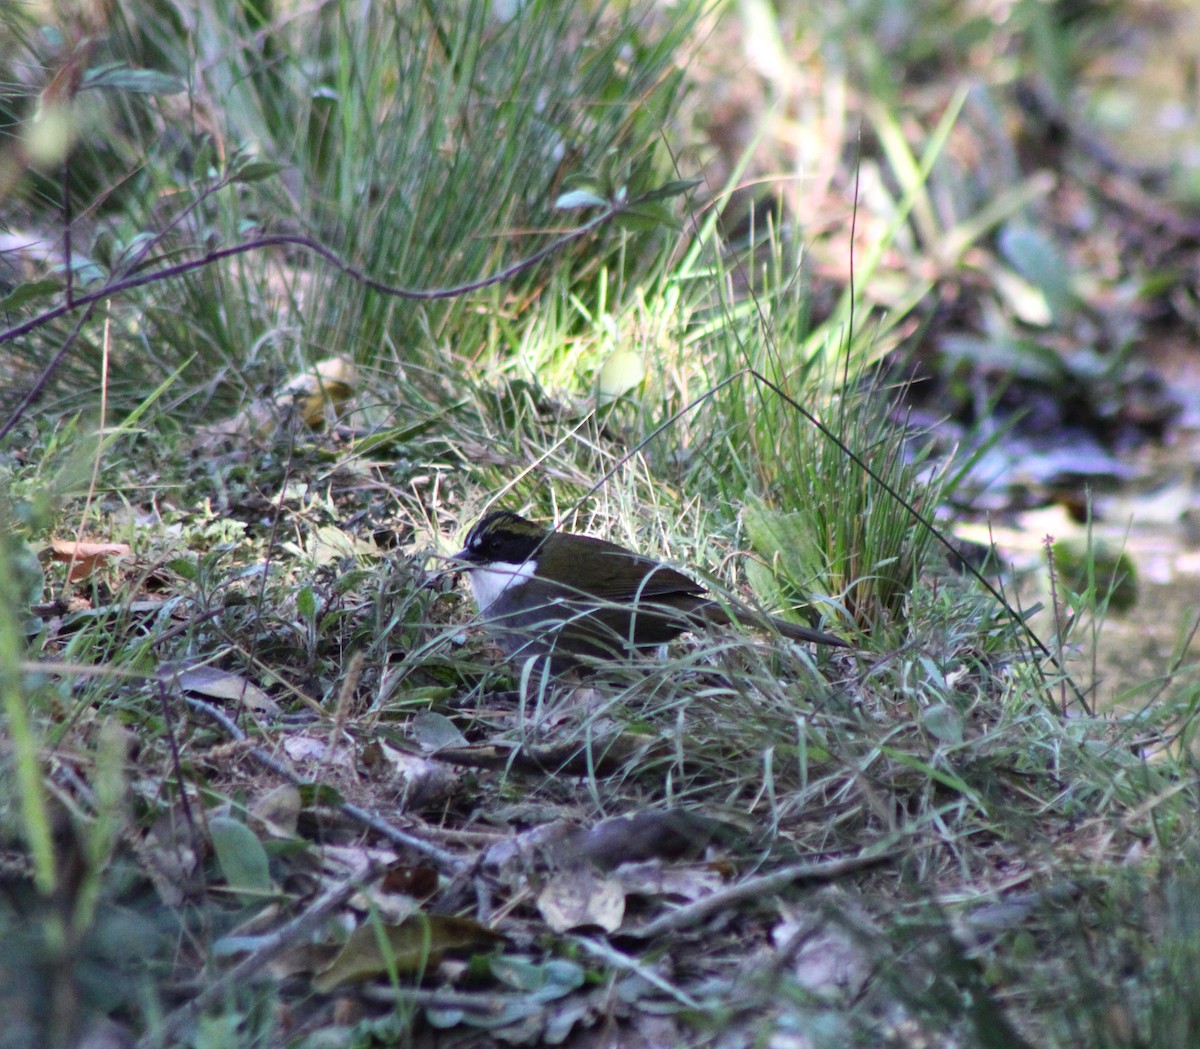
(417, 880)
(85, 558)
(420, 780)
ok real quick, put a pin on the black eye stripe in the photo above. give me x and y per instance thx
(502, 536)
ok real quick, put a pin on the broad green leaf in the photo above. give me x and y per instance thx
(240, 855)
(642, 218)
(783, 542)
(184, 567)
(434, 731)
(306, 603)
(546, 980)
(28, 292)
(764, 583)
(314, 794)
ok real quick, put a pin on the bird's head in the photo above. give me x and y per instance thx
(501, 537)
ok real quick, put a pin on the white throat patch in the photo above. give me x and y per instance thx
(490, 582)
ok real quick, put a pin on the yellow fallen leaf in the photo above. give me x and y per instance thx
(322, 393)
(413, 946)
(316, 396)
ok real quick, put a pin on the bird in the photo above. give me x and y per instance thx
(574, 598)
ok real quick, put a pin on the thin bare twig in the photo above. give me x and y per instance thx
(754, 888)
(125, 283)
(254, 963)
(296, 240)
(445, 861)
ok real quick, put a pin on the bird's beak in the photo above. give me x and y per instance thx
(459, 562)
(452, 565)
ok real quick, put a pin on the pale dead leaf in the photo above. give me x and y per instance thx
(826, 958)
(302, 748)
(656, 880)
(532, 849)
(220, 684)
(575, 898)
(352, 861)
(167, 856)
(330, 544)
(279, 810)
